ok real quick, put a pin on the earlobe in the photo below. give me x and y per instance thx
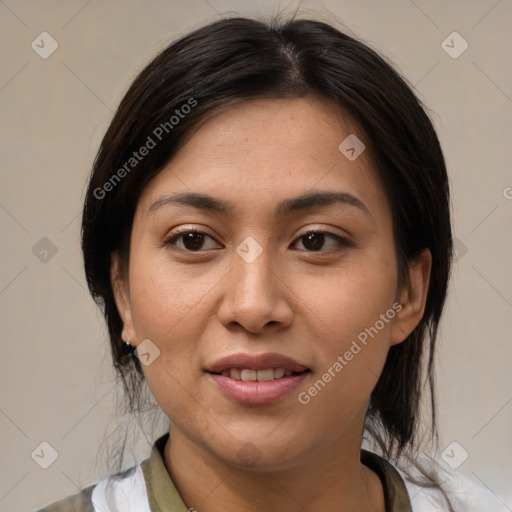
(121, 296)
(412, 297)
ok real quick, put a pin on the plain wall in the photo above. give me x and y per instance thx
(56, 380)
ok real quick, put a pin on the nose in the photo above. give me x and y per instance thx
(256, 295)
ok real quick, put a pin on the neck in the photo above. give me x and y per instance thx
(333, 480)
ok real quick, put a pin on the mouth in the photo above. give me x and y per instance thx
(256, 362)
(264, 375)
(257, 379)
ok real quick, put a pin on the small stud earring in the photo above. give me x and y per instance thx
(127, 348)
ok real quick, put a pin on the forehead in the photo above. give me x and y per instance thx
(257, 153)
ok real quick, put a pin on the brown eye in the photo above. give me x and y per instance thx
(315, 240)
(191, 240)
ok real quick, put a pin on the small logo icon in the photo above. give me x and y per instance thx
(44, 250)
(249, 249)
(352, 147)
(459, 249)
(45, 455)
(249, 454)
(454, 45)
(147, 352)
(44, 45)
(454, 455)
(507, 192)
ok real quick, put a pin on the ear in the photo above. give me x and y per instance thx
(122, 297)
(412, 297)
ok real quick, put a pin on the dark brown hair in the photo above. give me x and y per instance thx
(236, 59)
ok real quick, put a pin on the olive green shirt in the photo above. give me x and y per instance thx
(160, 494)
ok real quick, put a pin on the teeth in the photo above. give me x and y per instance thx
(278, 373)
(248, 375)
(256, 375)
(263, 375)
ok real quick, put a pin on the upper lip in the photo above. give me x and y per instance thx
(255, 362)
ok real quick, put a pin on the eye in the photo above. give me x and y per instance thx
(314, 240)
(192, 240)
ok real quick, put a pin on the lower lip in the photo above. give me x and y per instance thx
(258, 393)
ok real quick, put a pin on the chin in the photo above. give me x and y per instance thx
(261, 452)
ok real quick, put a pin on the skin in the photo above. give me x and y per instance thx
(199, 306)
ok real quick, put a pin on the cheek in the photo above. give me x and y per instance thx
(351, 360)
(168, 298)
(353, 315)
(348, 299)
(168, 308)
(171, 306)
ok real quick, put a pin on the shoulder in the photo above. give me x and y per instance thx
(124, 491)
(79, 502)
(433, 488)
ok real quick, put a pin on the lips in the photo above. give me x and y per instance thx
(257, 379)
(248, 375)
(269, 360)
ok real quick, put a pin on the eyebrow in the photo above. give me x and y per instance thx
(284, 208)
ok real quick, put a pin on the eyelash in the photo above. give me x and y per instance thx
(342, 242)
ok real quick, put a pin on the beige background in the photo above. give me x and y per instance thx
(55, 379)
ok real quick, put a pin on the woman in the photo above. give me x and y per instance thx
(267, 229)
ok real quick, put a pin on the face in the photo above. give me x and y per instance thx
(306, 286)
